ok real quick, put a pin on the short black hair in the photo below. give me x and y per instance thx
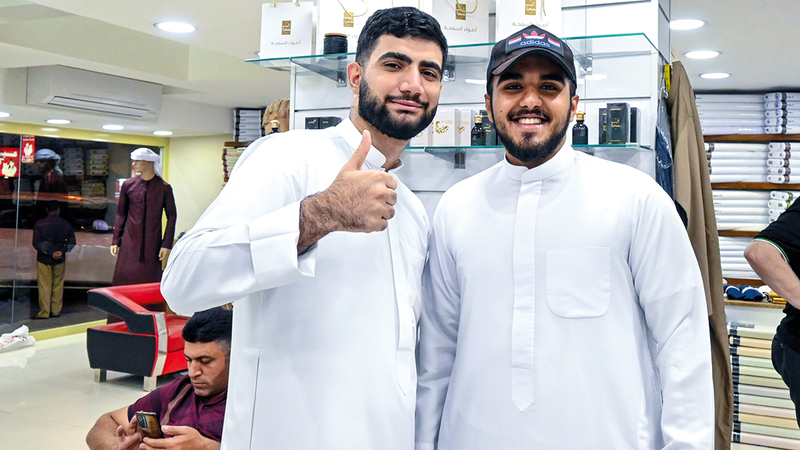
(52, 206)
(211, 325)
(400, 22)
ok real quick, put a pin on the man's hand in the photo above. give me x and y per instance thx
(183, 438)
(358, 200)
(58, 254)
(163, 254)
(114, 249)
(128, 436)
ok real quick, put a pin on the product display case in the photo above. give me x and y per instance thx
(611, 69)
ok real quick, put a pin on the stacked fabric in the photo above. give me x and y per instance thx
(247, 124)
(782, 112)
(763, 412)
(97, 163)
(734, 264)
(741, 210)
(779, 202)
(731, 114)
(229, 157)
(780, 162)
(736, 162)
(93, 193)
(72, 164)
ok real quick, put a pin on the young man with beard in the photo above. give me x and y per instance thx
(321, 250)
(563, 307)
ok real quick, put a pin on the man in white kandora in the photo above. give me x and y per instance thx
(323, 260)
(563, 307)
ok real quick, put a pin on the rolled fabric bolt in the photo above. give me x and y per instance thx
(731, 98)
(737, 178)
(782, 195)
(749, 155)
(781, 96)
(733, 106)
(778, 204)
(779, 171)
(735, 147)
(740, 195)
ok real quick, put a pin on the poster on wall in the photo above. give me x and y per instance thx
(9, 162)
(28, 147)
(463, 21)
(514, 15)
(286, 29)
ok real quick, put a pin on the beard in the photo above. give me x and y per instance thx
(378, 115)
(527, 151)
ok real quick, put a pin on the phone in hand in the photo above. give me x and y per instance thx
(149, 425)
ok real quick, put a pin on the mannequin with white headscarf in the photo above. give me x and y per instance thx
(138, 242)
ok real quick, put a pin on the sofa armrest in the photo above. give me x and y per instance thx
(126, 303)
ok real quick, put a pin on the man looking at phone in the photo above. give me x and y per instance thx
(190, 410)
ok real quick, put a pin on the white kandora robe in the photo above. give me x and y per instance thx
(323, 344)
(563, 309)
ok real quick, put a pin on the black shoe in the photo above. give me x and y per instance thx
(55, 315)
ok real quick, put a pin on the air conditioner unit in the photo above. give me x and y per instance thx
(66, 87)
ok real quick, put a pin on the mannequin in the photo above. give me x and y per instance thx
(137, 239)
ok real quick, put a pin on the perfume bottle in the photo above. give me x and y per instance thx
(478, 135)
(273, 124)
(580, 132)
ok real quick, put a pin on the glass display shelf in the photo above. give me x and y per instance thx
(585, 48)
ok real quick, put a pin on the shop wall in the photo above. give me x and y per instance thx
(195, 173)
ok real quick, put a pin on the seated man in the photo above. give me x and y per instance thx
(191, 408)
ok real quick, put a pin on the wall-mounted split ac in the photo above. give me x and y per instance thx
(66, 87)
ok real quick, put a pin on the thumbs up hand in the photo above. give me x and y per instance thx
(357, 200)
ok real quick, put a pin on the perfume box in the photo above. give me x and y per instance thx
(423, 138)
(619, 120)
(327, 122)
(445, 128)
(466, 120)
(312, 123)
(602, 130)
(636, 119)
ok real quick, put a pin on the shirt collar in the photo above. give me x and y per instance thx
(375, 159)
(551, 167)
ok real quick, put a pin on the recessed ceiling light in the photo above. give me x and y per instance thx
(4, 114)
(596, 76)
(113, 127)
(49, 129)
(686, 24)
(58, 121)
(162, 133)
(175, 27)
(715, 75)
(702, 54)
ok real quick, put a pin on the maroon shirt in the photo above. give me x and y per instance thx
(137, 229)
(204, 415)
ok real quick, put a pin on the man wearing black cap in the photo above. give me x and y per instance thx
(563, 307)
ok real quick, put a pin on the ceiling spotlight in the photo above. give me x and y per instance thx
(49, 129)
(715, 75)
(4, 114)
(58, 121)
(686, 24)
(702, 54)
(113, 127)
(162, 133)
(175, 27)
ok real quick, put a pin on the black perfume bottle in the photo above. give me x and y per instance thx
(273, 126)
(478, 135)
(580, 132)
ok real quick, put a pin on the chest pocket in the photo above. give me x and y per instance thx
(579, 282)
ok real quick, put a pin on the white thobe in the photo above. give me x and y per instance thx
(323, 344)
(562, 309)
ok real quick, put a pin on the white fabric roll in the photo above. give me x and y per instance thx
(782, 105)
(782, 179)
(786, 196)
(732, 130)
(738, 178)
(729, 122)
(779, 171)
(743, 218)
(742, 226)
(720, 154)
(780, 154)
(737, 163)
(781, 96)
(782, 113)
(739, 274)
(738, 241)
(736, 267)
(725, 203)
(729, 211)
(740, 195)
(730, 98)
(719, 114)
(775, 213)
(783, 162)
(738, 170)
(736, 147)
(739, 106)
(782, 130)
(782, 121)
(782, 146)
(731, 254)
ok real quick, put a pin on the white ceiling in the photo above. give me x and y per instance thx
(204, 73)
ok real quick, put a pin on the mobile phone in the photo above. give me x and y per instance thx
(149, 425)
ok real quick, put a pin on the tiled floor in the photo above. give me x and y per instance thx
(48, 397)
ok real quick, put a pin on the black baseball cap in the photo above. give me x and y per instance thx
(530, 40)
